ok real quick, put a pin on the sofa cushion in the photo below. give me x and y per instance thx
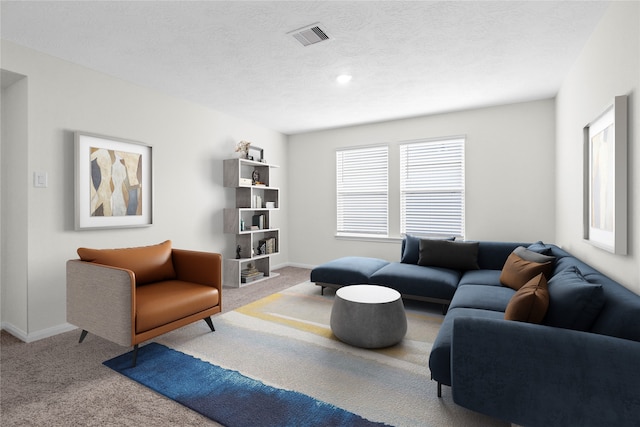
(485, 297)
(621, 311)
(517, 271)
(415, 280)
(574, 303)
(567, 262)
(530, 302)
(160, 303)
(493, 255)
(349, 270)
(481, 277)
(411, 249)
(449, 254)
(148, 263)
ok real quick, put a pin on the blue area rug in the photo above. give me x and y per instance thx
(226, 396)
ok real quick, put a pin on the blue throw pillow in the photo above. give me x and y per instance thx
(411, 249)
(574, 302)
(540, 247)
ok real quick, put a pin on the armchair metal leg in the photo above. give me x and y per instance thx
(439, 389)
(83, 336)
(135, 355)
(210, 323)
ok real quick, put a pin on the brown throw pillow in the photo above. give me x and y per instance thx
(517, 271)
(149, 263)
(530, 303)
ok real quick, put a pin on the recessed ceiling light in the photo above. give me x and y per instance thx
(343, 79)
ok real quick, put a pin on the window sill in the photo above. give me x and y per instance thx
(363, 238)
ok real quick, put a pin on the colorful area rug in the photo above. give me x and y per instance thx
(223, 395)
(284, 341)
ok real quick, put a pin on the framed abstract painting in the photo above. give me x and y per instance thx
(113, 182)
(605, 179)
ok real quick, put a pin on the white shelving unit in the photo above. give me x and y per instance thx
(253, 200)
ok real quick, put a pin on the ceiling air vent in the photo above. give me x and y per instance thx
(310, 34)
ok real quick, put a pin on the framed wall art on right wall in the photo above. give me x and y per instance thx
(605, 178)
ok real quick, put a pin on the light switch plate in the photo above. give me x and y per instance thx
(40, 179)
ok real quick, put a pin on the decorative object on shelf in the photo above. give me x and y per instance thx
(113, 182)
(262, 247)
(241, 224)
(255, 154)
(238, 250)
(255, 177)
(243, 148)
(605, 179)
(270, 205)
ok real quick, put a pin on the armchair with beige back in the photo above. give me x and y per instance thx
(131, 295)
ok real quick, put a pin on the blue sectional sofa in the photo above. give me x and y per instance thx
(576, 363)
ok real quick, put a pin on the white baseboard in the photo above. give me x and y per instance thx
(38, 335)
(16, 332)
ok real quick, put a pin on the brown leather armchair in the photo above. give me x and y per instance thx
(131, 295)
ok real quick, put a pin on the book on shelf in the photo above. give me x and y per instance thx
(251, 278)
(250, 274)
(259, 221)
(268, 246)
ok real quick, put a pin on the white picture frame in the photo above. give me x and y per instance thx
(605, 179)
(113, 182)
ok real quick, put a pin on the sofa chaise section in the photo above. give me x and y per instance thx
(350, 270)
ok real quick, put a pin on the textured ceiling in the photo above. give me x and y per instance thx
(407, 58)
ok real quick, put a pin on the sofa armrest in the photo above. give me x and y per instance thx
(204, 268)
(538, 375)
(100, 299)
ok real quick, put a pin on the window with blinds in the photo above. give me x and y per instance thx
(362, 191)
(432, 187)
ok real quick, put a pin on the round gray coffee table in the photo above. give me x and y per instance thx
(368, 316)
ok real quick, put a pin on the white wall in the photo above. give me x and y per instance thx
(14, 223)
(607, 67)
(189, 144)
(510, 164)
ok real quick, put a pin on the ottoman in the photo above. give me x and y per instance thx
(368, 316)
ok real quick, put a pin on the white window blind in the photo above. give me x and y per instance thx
(362, 191)
(432, 187)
